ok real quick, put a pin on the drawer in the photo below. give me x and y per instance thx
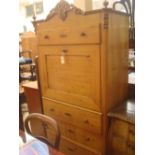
(118, 145)
(87, 120)
(72, 148)
(130, 150)
(78, 35)
(84, 137)
(131, 133)
(89, 139)
(120, 128)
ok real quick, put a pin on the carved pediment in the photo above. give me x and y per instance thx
(62, 8)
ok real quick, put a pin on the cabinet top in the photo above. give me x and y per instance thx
(63, 8)
(125, 112)
(31, 85)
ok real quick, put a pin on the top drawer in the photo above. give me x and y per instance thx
(78, 35)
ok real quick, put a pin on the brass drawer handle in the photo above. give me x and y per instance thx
(71, 149)
(46, 37)
(68, 114)
(63, 35)
(131, 146)
(83, 34)
(131, 131)
(86, 121)
(70, 131)
(64, 51)
(52, 110)
(87, 139)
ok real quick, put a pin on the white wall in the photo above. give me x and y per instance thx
(47, 6)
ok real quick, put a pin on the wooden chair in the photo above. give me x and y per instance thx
(46, 121)
(26, 65)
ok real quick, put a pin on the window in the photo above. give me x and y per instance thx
(37, 8)
(29, 10)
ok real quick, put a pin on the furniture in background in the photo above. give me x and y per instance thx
(131, 85)
(26, 66)
(33, 98)
(47, 122)
(29, 43)
(83, 73)
(129, 7)
(22, 101)
(121, 136)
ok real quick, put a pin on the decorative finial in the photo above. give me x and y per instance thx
(105, 3)
(34, 17)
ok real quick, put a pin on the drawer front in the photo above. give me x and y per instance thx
(71, 74)
(71, 148)
(118, 145)
(120, 128)
(130, 148)
(78, 35)
(83, 119)
(89, 139)
(131, 133)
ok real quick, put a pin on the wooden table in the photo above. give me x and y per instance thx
(52, 151)
(32, 94)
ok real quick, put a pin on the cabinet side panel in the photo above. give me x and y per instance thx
(117, 60)
(114, 62)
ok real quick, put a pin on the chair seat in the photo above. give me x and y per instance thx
(23, 61)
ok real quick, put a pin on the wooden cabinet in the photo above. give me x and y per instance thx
(121, 136)
(77, 80)
(83, 73)
(29, 43)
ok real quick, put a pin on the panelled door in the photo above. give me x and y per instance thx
(71, 74)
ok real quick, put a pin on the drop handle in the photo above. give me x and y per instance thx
(52, 110)
(87, 139)
(131, 146)
(86, 121)
(70, 131)
(83, 34)
(46, 37)
(68, 114)
(71, 149)
(131, 131)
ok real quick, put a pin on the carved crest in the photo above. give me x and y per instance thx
(62, 8)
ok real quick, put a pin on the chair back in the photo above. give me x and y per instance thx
(46, 122)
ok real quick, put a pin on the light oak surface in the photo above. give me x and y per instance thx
(121, 136)
(83, 71)
(29, 43)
